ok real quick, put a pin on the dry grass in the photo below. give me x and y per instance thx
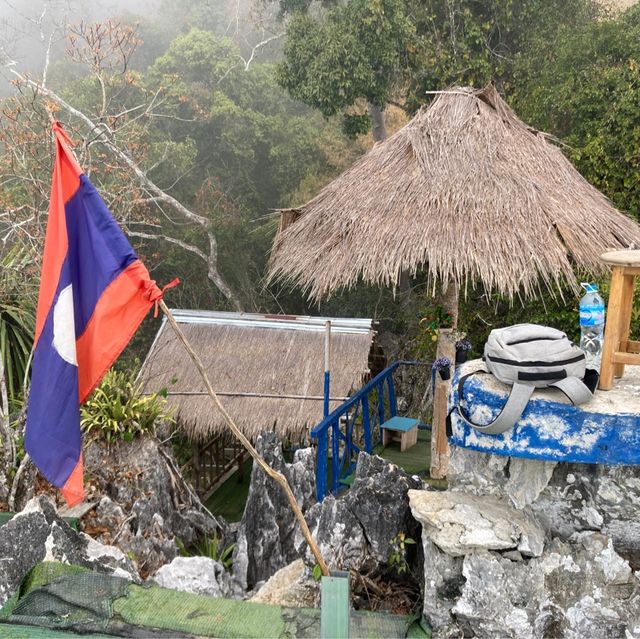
(466, 191)
(254, 360)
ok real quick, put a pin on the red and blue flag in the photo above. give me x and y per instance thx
(94, 292)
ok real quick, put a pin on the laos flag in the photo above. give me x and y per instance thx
(94, 292)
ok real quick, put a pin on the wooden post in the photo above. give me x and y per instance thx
(446, 348)
(439, 443)
(274, 474)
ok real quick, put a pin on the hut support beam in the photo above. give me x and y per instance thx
(446, 348)
(274, 474)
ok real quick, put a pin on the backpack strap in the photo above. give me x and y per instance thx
(507, 417)
(575, 389)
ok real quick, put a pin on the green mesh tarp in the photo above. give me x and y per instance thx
(63, 599)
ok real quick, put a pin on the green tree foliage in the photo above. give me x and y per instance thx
(259, 143)
(585, 90)
(470, 43)
(399, 50)
(353, 52)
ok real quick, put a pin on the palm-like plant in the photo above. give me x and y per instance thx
(17, 317)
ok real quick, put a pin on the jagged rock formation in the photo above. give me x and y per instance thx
(265, 540)
(144, 502)
(356, 531)
(517, 548)
(565, 497)
(38, 534)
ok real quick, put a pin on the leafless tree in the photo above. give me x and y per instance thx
(114, 145)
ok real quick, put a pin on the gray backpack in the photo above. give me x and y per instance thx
(528, 356)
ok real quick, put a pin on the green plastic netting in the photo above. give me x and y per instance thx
(61, 599)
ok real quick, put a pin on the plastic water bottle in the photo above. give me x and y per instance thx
(592, 325)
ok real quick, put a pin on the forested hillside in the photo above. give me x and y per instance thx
(197, 120)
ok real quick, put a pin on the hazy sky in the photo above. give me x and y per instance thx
(26, 25)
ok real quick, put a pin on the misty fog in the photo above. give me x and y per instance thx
(29, 27)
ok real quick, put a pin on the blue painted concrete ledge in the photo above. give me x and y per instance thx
(605, 430)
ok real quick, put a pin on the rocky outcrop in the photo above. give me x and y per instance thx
(144, 504)
(266, 534)
(291, 587)
(38, 534)
(524, 548)
(357, 530)
(197, 575)
(354, 531)
(565, 497)
(574, 590)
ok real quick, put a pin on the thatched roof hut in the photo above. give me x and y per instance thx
(268, 370)
(465, 190)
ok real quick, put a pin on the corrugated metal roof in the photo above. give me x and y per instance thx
(279, 322)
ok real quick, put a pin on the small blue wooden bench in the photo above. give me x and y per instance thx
(405, 427)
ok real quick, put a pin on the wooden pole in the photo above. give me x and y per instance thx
(446, 348)
(439, 442)
(274, 474)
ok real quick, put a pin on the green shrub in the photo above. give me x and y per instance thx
(118, 409)
(17, 319)
(210, 547)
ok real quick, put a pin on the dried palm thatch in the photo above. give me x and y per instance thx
(253, 361)
(466, 190)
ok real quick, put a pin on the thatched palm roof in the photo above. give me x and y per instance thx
(253, 360)
(465, 190)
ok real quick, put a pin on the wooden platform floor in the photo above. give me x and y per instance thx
(415, 461)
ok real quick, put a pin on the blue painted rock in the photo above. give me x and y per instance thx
(605, 430)
(576, 469)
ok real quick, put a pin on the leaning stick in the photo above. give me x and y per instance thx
(274, 474)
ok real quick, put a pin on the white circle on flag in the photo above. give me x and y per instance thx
(64, 330)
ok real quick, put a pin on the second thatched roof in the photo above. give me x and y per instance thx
(465, 190)
(267, 369)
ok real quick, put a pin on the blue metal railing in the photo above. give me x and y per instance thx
(342, 422)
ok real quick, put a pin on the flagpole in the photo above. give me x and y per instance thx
(274, 474)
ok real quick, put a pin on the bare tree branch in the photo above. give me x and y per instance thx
(257, 47)
(172, 240)
(103, 134)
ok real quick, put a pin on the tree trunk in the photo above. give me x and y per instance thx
(377, 117)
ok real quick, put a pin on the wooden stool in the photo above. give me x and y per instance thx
(407, 427)
(618, 350)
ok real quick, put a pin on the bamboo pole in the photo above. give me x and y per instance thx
(254, 395)
(274, 474)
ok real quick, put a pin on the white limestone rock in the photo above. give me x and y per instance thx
(460, 524)
(196, 575)
(291, 587)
